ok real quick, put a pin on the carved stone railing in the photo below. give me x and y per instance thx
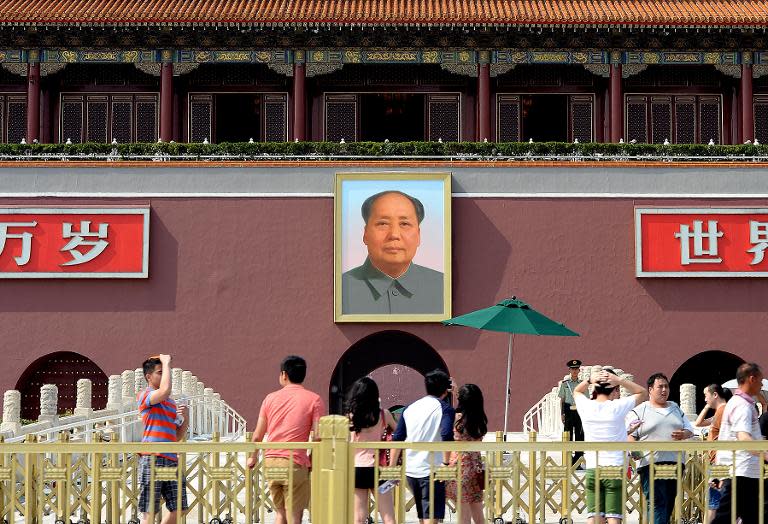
(208, 413)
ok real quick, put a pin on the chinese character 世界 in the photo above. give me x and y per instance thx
(758, 237)
(78, 239)
(26, 240)
(697, 237)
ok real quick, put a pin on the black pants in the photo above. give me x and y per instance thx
(572, 424)
(747, 501)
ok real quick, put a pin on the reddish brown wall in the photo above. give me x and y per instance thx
(238, 283)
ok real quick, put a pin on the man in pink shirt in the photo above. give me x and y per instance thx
(289, 415)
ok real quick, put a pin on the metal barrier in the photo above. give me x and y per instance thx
(524, 481)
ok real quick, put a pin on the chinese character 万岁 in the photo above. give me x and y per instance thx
(78, 239)
(697, 238)
(26, 240)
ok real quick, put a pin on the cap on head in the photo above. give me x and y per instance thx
(573, 364)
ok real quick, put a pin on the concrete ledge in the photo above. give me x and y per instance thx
(316, 180)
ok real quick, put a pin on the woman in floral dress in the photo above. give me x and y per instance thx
(471, 424)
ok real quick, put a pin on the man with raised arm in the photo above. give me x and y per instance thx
(162, 422)
(603, 421)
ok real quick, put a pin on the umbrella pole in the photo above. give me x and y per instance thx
(506, 391)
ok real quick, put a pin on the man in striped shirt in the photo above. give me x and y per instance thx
(162, 422)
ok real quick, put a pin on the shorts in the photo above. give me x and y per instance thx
(610, 497)
(364, 477)
(279, 489)
(420, 489)
(714, 498)
(167, 489)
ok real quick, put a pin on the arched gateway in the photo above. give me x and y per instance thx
(376, 351)
(63, 369)
(707, 367)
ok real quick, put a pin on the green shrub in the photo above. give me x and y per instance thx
(470, 150)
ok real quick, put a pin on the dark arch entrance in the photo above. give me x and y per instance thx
(377, 350)
(708, 367)
(64, 369)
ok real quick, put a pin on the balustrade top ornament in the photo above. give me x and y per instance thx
(115, 392)
(49, 403)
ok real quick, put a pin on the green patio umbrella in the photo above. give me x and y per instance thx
(511, 316)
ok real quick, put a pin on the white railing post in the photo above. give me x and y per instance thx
(688, 400)
(631, 378)
(128, 380)
(115, 393)
(217, 412)
(176, 374)
(128, 383)
(11, 412)
(199, 408)
(208, 406)
(83, 401)
(49, 404)
(139, 381)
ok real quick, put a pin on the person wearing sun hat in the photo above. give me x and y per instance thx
(569, 415)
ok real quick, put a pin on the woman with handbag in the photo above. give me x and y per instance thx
(471, 425)
(368, 423)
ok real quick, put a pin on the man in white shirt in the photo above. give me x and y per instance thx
(659, 419)
(740, 422)
(429, 419)
(603, 420)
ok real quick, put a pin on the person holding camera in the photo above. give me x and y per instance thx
(603, 421)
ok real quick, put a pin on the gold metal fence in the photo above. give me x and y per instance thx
(532, 482)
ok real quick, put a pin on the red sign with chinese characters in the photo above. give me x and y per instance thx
(74, 243)
(709, 242)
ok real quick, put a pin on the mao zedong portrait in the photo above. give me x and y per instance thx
(388, 282)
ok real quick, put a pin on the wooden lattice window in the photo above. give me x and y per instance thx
(444, 118)
(637, 119)
(508, 118)
(681, 119)
(15, 125)
(124, 117)
(200, 117)
(209, 111)
(275, 118)
(685, 120)
(661, 119)
(710, 124)
(761, 118)
(580, 118)
(341, 114)
(72, 112)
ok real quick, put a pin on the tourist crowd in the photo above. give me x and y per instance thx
(593, 405)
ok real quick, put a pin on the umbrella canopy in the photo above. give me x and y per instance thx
(732, 384)
(511, 316)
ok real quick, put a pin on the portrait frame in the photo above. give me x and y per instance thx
(435, 191)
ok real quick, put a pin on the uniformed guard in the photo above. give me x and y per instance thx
(570, 417)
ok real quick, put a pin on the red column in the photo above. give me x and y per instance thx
(299, 102)
(483, 102)
(617, 104)
(33, 102)
(747, 114)
(166, 102)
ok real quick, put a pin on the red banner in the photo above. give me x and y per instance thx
(710, 242)
(74, 243)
